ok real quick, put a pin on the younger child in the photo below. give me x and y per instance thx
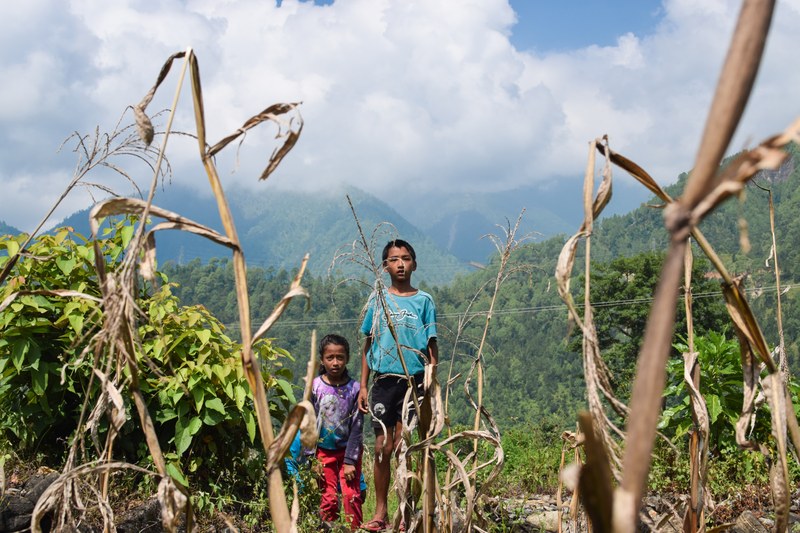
(335, 395)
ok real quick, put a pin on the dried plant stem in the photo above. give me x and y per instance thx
(463, 320)
(733, 90)
(505, 254)
(698, 438)
(279, 510)
(428, 472)
(784, 363)
(277, 498)
(648, 384)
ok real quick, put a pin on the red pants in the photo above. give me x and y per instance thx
(333, 479)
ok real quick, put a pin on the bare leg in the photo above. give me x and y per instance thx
(384, 445)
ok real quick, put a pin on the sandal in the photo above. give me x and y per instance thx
(374, 525)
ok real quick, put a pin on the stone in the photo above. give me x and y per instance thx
(748, 523)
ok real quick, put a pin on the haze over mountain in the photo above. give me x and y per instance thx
(277, 227)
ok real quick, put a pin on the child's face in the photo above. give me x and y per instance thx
(399, 264)
(334, 360)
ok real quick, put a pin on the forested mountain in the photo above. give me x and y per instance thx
(5, 229)
(277, 228)
(533, 364)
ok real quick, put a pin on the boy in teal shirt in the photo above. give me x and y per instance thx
(413, 316)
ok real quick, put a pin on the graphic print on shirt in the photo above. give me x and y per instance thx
(335, 410)
(414, 321)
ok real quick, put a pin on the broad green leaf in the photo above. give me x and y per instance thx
(158, 348)
(212, 418)
(165, 415)
(204, 335)
(126, 232)
(39, 381)
(18, 353)
(198, 393)
(183, 438)
(176, 342)
(62, 234)
(66, 265)
(250, 423)
(177, 395)
(216, 405)
(714, 407)
(286, 387)
(176, 474)
(220, 371)
(194, 425)
(76, 322)
(241, 395)
(229, 389)
(12, 246)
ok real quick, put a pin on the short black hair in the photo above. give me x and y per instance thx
(333, 338)
(398, 243)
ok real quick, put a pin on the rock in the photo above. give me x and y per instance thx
(543, 521)
(748, 523)
(145, 518)
(16, 507)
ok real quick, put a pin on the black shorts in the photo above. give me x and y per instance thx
(386, 400)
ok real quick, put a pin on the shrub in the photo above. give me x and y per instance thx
(189, 370)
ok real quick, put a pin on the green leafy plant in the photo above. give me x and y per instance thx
(189, 370)
(720, 385)
(198, 391)
(43, 374)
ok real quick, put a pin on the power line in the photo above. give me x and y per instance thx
(515, 310)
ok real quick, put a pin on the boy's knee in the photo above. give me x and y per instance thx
(383, 446)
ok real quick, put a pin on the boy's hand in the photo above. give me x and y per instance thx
(349, 472)
(363, 401)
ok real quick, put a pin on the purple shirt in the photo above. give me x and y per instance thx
(338, 419)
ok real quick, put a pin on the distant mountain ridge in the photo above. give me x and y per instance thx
(277, 228)
(5, 229)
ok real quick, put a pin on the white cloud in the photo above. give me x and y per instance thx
(396, 93)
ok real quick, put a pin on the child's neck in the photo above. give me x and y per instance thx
(330, 381)
(402, 288)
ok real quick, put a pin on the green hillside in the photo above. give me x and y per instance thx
(277, 228)
(533, 363)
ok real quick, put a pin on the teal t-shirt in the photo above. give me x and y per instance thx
(414, 319)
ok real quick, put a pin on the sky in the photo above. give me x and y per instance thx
(432, 95)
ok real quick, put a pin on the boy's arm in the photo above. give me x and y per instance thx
(363, 404)
(433, 351)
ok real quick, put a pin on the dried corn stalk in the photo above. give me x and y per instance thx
(705, 190)
(596, 373)
(116, 344)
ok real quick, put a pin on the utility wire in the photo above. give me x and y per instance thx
(516, 310)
